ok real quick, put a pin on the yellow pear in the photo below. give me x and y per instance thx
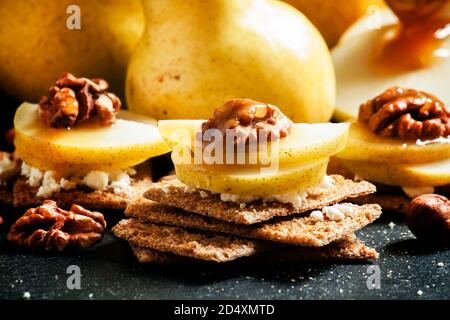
(253, 182)
(194, 55)
(407, 175)
(333, 17)
(364, 145)
(37, 45)
(305, 142)
(131, 140)
(360, 78)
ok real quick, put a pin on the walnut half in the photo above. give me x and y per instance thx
(50, 228)
(249, 119)
(407, 114)
(73, 100)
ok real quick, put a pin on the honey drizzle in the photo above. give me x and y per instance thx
(417, 40)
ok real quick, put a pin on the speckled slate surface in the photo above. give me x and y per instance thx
(110, 271)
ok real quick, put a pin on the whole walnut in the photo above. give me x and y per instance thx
(428, 217)
(51, 228)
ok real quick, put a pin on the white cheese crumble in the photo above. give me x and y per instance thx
(7, 166)
(50, 183)
(413, 192)
(317, 215)
(294, 198)
(391, 225)
(97, 180)
(48, 186)
(335, 212)
(433, 141)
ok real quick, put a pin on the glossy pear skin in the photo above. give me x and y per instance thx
(36, 45)
(333, 17)
(194, 55)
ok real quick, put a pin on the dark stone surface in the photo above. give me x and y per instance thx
(110, 271)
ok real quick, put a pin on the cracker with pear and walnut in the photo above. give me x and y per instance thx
(298, 230)
(171, 192)
(350, 248)
(208, 246)
(25, 196)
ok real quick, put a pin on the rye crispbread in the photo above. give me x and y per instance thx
(201, 245)
(171, 192)
(389, 202)
(298, 230)
(25, 196)
(347, 249)
(6, 196)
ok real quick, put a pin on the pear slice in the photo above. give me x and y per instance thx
(305, 143)
(364, 145)
(414, 175)
(254, 182)
(130, 141)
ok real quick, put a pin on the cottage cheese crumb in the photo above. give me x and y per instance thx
(294, 198)
(165, 189)
(121, 183)
(26, 295)
(391, 225)
(419, 292)
(440, 264)
(188, 189)
(49, 185)
(33, 174)
(7, 166)
(316, 215)
(67, 184)
(203, 194)
(333, 213)
(97, 180)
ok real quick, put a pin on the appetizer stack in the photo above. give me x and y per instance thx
(221, 211)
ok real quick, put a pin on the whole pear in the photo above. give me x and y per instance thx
(194, 55)
(333, 17)
(37, 45)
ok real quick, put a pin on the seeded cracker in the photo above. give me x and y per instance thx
(171, 192)
(302, 230)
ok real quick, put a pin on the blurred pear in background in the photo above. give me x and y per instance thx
(37, 46)
(194, 55)
(333, 17)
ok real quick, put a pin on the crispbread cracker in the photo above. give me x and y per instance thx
(299, 230)
(347, 249)
(195, 244)
(173, 193)
(6, 196)
(25, 196)
(389, 202)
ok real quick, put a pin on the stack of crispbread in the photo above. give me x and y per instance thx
(174, 223)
